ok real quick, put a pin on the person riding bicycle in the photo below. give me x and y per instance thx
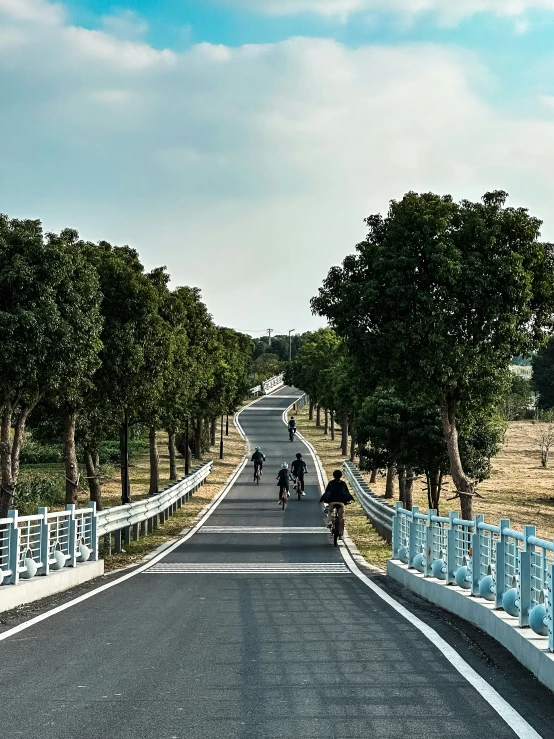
(298, 469)
(292, 428)
(258, 458)
(337, 496)
(283, 479)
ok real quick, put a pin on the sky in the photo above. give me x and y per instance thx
(241, 143)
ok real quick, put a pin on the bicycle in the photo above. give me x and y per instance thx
(284, 495)
(335, 526)
(292, 432)
(298, 486)
(257, 473)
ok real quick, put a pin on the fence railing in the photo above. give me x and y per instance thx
(51, 540)
(513, 569)
(379, 513)
(267, 385)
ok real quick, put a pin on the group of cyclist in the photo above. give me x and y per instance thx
(336, 494)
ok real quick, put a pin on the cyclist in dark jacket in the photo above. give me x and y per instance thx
(298, 469)
(337, 496)
(258, 458)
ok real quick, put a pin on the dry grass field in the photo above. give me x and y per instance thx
(519, 487)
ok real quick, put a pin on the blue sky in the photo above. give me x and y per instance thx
(219, 135)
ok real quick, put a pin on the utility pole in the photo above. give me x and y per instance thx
(269, 331)
(290, 344)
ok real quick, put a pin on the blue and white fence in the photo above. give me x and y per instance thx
(513, 569)
(52, 540)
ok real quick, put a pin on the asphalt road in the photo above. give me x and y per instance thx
(254, 634)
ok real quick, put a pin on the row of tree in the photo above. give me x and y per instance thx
(91, 343)
(426, 318)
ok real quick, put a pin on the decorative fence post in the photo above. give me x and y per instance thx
(44, 542)
(550, 606)
(451, 549)
(412, 536)
(93, 532)
(396, 530)
(15, 545)
(72, 542)
(476, 555)
(524, 579)
(501, 563)
(429, 543)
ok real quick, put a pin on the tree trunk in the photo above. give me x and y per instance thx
(198, 439)
(463, 486)
(389, 489)
(352, 443)
(124, 465)
(213, 431)
(172, 455)
(409, 489)
(344, 436)
(401, 484)
(70, 458)
(326, 422)
(10, 451)
(373, 478)
(154, 488)
(311, 411)
(92, 464)
(318, 416)
(434, 487)
(332, 426)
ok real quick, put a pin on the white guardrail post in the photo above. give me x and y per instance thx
(15, 546)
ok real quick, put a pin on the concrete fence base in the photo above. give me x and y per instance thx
(527, 647)
(28, 591)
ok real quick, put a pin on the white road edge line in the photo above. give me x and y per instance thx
(515, 721)
(212, 506)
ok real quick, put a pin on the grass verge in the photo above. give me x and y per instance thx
(372, 547)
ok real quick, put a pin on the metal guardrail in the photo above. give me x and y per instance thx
(379, 513)
(512, 569)
(267, 385)
(50, 540)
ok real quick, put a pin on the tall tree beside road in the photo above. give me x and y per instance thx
(440, 296)
(134, 337)
(49, 333)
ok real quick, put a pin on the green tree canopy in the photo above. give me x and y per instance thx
(440, 296)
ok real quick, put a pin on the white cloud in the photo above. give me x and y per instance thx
(125, 24)
(448, 10)
(227, 162)
(37, 11)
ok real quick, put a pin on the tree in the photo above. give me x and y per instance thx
(135, 339)
(543, 375)
(49, 333)
(312, 369)
(441, 296)
(518, 400)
